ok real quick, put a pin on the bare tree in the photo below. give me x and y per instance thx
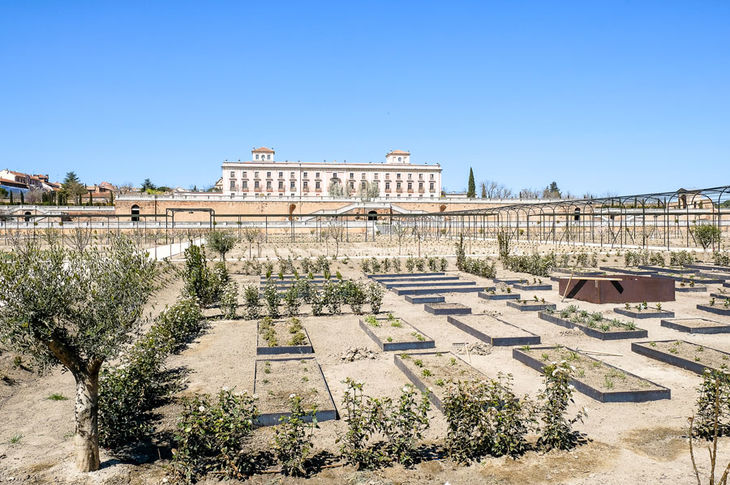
(335, 230)
(80, 238)
(251, 235)
(400, 230)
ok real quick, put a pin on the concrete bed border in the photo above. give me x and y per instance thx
(675, 324)
(399, 346)
(618, 396)
(283, 349)
(531, 339)
(643, 348)
(272, 419)
(531, 306)
(653, 313)
(592, 332)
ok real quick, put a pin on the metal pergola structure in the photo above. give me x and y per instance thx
(656, 220)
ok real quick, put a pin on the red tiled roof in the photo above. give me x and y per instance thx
(262, 150)
(398, 152)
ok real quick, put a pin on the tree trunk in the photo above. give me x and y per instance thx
(86, 440)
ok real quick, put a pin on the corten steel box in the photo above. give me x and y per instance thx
(618, 289)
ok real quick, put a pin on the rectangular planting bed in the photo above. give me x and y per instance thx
(642, 311)
(446, 308)
(631, 271)
(704, 280)
(435, 371)
(425, 299)
(667, 269)
(696, 325)
(417, 278)
(592, 377)
(679, 288)
(494, 331)
(509, 281)
(486, 295)
(593, 324)
(376, 276)
(433, 284)
(282, 337)
(395, 334)
(533, 286)
(718, 307)
(276, 379)
(687, 355)
(531, 305)
(421, 290)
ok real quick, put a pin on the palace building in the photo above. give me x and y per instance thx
(397, 177)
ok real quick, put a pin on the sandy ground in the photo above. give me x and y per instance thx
(629, 443)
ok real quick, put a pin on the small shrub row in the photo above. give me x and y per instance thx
(329, 297)
(129, 392)
(636, 258)
(485, 267)
(533, 264)
(412, 265)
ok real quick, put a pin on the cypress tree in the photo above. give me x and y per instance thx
(471, 191)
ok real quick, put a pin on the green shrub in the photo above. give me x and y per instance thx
(316, 298)
(291, 300)
(272, 299)
(229, 300)
(252, 302)
(706, 234)
(211, 435)
(222, 242)
(355, 296)
(556, 431)
(293, 439)
(354, 447)
(713, 402)
(485, 418)
(533, 264)
(129, 392)
(375, 295)
(332, 297)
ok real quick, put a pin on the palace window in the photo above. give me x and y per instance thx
(410, 185)
(305, 175)
(255, 175)
(387, 185)
(409, 176)
(317, 185)
(305, 184)
(397, 186)
(233, 185)
(256, 184)
(268, 175)
(292, 185)
(244, 185)
(316, 175)
(268, 185)
(397, 175)
(431, 186)
(281, 185)
(256, 156)
(420, 176)
(364, 184)
(233, 174)
(431, 176)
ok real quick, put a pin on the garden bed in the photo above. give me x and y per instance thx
(687, 355)
(533, 287)
(404, 275)
(391, 333)
(718, 306)
(643, 311)
(689, 289)
(635, 272)
(593, 324)
(592, 377)
(282, 337)
(494, 331)
(425, 298)
(691, 279)
(446, 308)
(486, 295)
(509, 281)
(421, 290)
(433, 284)
(417, 278)
(276, 379)
(435, 371)
(531, 306)
(696, 325)
(667, 269)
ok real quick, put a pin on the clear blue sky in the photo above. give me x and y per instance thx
(621, 97)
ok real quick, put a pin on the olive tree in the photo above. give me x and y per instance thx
(706, 234)
(222, 242)
(75, 309)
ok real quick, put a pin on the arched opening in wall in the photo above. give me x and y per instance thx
(135, 213)
(373, 215)
(27, 216)
(576, 212)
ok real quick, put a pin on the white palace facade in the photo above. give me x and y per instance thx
(264, 176)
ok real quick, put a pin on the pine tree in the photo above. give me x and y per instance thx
(471, 191)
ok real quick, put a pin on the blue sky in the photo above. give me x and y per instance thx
(620, 97)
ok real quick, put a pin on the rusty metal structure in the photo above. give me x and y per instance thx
(662, 220)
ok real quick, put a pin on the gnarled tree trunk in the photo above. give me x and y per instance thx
(86, 412)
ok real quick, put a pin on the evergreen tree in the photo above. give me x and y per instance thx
(148, 185)
(471, 191)
(73, 187)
